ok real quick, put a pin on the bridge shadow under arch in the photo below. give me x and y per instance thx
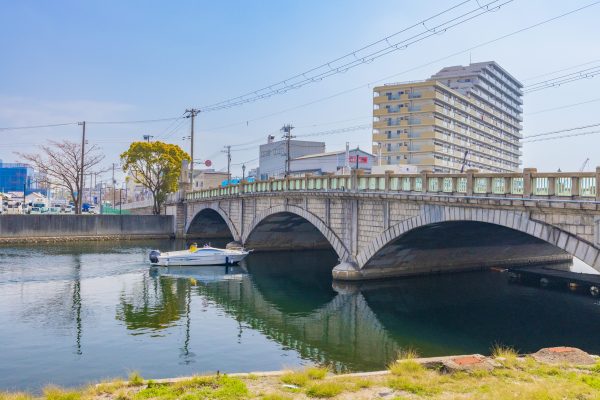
(285, 230)
(283, 277)
(210, 224)
(461, 245)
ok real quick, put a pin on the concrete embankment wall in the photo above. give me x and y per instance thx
(22, 228)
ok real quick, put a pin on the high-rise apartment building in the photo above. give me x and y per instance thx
(462, 117)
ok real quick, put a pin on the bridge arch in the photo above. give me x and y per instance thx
(517, 221)
(267, 214)
(212, 222)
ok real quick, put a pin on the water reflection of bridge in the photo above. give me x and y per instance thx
(340, 333)
(287, 298)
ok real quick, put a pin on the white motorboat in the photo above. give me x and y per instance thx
(206, 255)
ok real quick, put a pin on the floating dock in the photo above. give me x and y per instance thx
(558, 279)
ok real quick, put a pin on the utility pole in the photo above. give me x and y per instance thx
(357, 150)
(347, 163)
(243, 171)
(81, 180)
(147, 138)
(91, 186)
(228, 151)
(192, 112)
(287, 135)
(113, 184)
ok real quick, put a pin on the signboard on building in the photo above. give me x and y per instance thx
(361, 159)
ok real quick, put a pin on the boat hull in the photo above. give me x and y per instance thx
(191, 259)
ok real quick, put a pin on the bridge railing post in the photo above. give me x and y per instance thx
(471, 181)
(424, 182)
(528, 181)
(354, 180)
(597, 187)
(388, 178)
(551, 186)
(574, 186)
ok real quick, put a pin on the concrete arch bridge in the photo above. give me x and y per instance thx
(396, 225)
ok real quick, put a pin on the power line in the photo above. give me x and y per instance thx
(175, 119)
(361, 56)
(563, 107)
(246, 162)
(339, 130)
(140, 121)
(321, 133)
(560, 80)
(559, 70)
(12, 128)
(562, 137)
(562, 130)
(173, 131)
(436, 61)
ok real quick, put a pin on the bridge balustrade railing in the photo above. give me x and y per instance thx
(529, 184)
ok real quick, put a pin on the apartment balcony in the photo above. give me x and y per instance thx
(380, 137)
(419, 161)
(420, 148)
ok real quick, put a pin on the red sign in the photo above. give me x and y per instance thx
(361, 159)
(208, 163)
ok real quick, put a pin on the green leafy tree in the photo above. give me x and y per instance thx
(156, 166)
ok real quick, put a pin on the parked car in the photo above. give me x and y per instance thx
(14, 207)
(35, 210)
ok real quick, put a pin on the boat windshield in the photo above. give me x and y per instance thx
(208, 250)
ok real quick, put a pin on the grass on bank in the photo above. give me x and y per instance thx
(517, 377)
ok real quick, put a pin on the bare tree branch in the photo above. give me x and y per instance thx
(59, 164)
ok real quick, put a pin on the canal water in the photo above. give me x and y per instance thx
(71, 314)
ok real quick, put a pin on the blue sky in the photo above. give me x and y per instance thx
(65, 61)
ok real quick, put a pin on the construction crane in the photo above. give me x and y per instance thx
(585, 163)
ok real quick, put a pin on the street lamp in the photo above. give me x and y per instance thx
(243, 171)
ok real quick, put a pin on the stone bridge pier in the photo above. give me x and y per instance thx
(380, 230)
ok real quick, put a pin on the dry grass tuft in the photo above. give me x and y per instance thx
(135, 379)
(325, 389)
(56, 393)
(408, 353)
(406, 367)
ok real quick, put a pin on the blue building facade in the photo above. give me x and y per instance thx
(17, 177)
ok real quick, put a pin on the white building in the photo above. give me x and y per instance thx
(273, 155)
(331, 162)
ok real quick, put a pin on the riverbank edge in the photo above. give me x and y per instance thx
(559, 370)
(81, 238)
(425, 361)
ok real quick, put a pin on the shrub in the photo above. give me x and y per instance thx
(135, 379)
